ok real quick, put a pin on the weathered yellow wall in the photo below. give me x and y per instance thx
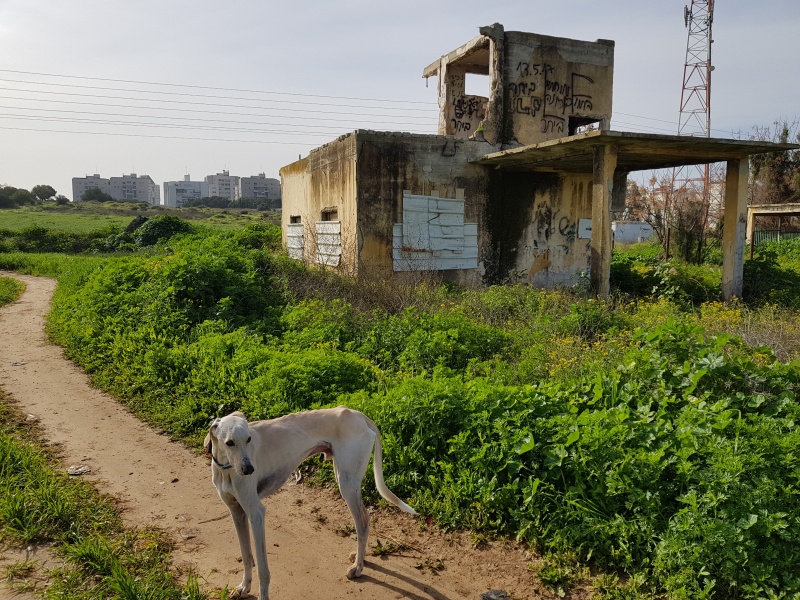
(423, 164)
(324, 180)
(551, 253)
(533, 226)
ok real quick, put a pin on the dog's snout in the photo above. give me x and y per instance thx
(247, 468)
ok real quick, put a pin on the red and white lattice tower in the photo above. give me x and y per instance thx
(695, 112)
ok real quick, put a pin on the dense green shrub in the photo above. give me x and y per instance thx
(259, 236)
(41, 239)
(159, 228)
(773, 276)
(615, 467)
(590, 319)
(312, 323)
(418, 341)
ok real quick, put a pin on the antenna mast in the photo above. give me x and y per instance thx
(691, 183)
(695, 112)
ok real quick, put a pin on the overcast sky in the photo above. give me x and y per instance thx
(173, 87)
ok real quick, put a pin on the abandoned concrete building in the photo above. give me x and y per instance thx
(520, 185)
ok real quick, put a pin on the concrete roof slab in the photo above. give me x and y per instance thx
(635, 152)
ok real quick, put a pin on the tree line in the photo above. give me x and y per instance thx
(11, 197)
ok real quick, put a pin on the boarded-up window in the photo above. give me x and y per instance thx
(434, 236)
(295, 242)
(329, 243)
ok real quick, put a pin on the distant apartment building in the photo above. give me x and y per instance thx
(178, 192)
(260, 186)
(223, 185)
(81, 185)
(135, 188)
(131, 188)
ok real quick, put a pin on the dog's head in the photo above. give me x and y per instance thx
(230, 437)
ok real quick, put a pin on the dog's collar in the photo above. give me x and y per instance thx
(214, 458)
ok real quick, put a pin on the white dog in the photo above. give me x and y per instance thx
(250, 461)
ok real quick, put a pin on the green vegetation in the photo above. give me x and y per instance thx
(10, 290)
(41, 504)
(651, 436)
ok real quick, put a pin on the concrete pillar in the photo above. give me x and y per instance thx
(605, 162)
(494, 122)
(618, 195)
(734, 228)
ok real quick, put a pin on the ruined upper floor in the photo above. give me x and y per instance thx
(538, 87)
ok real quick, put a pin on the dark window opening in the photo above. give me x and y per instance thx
(330, 214)
(295, 219)
(582, 125)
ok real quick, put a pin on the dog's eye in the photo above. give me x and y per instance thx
(229, 443)
(248, 440)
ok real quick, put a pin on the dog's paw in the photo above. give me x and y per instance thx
(241, 591)
(354, 572)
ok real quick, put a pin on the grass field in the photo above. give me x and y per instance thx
(87, 217)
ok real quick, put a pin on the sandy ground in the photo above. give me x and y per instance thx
(162, 483)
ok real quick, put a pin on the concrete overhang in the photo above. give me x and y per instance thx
(473, 57)
(635, 152)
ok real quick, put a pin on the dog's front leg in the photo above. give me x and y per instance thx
(256, 514)
(243, 535)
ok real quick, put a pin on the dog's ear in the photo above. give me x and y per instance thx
(239, 414)
(211, 435)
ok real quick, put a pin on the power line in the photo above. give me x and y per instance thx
(166, 125)
(185, 110)
(14, 89)
(673, 123)
(164, 137)
(103, 122)
(61, 110)
(205, 87)
(111, 89)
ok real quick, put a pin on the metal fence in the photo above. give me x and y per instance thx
(773, 235)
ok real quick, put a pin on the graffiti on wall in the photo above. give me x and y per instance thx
(538, 93)
(466, 111)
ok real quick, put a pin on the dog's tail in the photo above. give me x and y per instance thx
(377, 465)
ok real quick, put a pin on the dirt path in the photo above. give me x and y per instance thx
(162, 483)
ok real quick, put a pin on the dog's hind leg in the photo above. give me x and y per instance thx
(350, 464)
(242, 526)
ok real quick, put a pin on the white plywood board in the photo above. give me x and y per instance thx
(329, 242)
(295, 241)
